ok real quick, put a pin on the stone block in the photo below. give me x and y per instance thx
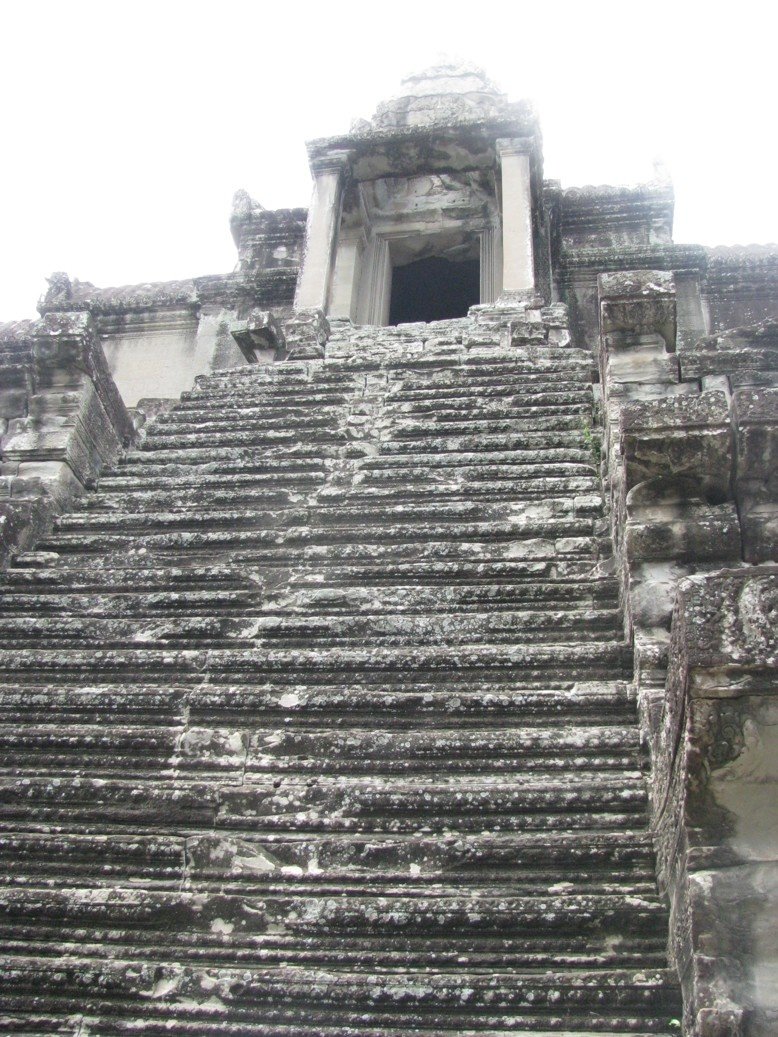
(306, 334)
(635, 303)
(682, 531)
(644, 363)
(755, 412)
(679, 437)
(260, 336)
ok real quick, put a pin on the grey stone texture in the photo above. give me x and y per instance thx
(364, 680)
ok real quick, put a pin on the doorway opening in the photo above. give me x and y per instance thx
(434, 289)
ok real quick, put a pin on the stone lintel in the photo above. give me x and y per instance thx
(507, 147)
(418, 150)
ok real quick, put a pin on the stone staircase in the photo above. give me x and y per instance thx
(316, 716)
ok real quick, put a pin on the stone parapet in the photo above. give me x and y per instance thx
(61, 419)
(715, 798)
(690, 459)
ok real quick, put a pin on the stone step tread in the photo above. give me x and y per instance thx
(441, 660)
(288, 404)
(392, 405)
(359, 857)
(36, 570)
(445, 489)
(460, 440)
(132, 601)
(296, 746)
(113, 1026)
(143, 482)
(501, 539)
(537, 571)
(305, 996)
(349, 505)
(166, 703)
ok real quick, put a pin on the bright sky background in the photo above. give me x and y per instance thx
(127, 126)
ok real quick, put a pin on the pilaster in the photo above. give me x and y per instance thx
(518, 262)
(321, 232)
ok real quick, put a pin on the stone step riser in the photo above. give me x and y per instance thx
(304, 997)
(445, 489)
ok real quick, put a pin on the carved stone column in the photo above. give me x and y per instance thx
(321, 232)
(518, 261)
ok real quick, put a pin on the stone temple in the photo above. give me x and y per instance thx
(388, 627)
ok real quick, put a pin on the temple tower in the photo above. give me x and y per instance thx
(445, 179)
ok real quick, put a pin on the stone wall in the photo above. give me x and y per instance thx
(690, 450)
(61, 419)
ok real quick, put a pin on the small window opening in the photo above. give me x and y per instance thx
(434, 289)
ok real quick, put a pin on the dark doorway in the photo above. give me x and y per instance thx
(434, 289)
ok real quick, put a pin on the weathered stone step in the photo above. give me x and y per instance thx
(122, 751)
(113, 1026)
(576, 661)
(406, 929)
(361, 952)
(251, 532)
(278, 407)
(205, 495)
(257, 420)
(132, 602)
(408, 429)
(311, 422)
(490, 399)
(286, 465)
(253, 626)
(466, 382)
(153, 632)
(472, 414)
(510, 1001)
(455, 627)
(336, 507)
(262, 457)
(532, 862)
(410, 703)
(279, 436)
(343, 803)
(299, 477)
(475, 468)
(132, 574)
(443, 485)
(323, 600)
(297, 391)
(457, 442)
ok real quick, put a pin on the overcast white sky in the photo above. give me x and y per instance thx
(127, 126)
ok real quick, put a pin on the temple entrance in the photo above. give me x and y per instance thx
(434, 289)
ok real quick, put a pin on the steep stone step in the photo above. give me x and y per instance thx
(315, 717)
(301, 749)
(404, 703)
(308, 997)
(524, 662)
(131, 602)
(339, 803)
(502, 863)
(458, 442)
(251, 531)
(506, 626)
(444, 485)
